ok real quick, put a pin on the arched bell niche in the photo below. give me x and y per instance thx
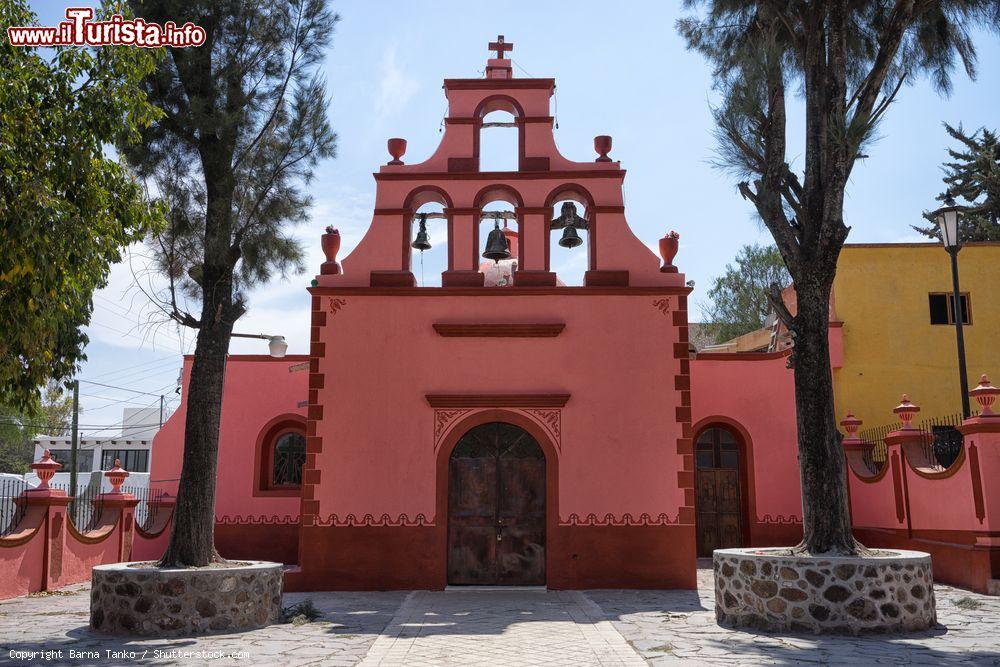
(571, 237)
(428, 206)
(498, 231)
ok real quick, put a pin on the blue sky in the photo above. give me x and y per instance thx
(623, 72)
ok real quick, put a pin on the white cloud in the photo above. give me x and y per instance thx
(395, 88)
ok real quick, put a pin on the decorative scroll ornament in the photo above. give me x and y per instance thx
(442, 420)
(663, 305)
(626, 519)
(335, 305)
(369, 520)
(551, 420)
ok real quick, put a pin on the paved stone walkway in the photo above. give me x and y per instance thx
(349, 625)
(500, 628)
(506, 628)
(678, 627)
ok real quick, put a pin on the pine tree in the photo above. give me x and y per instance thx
(847, 59)
(244, 125)
(972, 175)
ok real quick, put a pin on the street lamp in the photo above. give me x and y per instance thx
(947, 218)
(276, 345)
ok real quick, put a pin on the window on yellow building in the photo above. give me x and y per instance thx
(942, 307)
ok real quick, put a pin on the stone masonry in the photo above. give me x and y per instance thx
(766, 590)
(153, 602)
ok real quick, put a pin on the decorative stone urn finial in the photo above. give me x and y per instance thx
(602, 144)
(985, 394)
(668, 250)
(330, 243)
(851, 424)
(397, 149)
(906, 412)
(116, 476)
(45, 468)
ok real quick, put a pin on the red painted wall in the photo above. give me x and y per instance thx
(258, 390)
(754, 396)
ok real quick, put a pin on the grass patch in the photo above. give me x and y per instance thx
(662, 648)
(301, 613)
(968, 603)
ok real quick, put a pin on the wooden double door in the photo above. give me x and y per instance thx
(718, 500)
(496, 508)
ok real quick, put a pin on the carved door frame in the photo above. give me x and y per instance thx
(484, 416)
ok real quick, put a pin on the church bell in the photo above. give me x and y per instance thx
(423, 240)
(570, 238)
(497, 247)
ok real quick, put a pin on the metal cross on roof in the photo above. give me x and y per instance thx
(501, 46)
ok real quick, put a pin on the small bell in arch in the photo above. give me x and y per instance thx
(423, 240)
(570, 238)
(497, 247)
(569, 221)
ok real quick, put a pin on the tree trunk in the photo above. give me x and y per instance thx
(826, 518)
(192, 539)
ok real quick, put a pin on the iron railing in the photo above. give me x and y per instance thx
(11, 511)
(874, 451)
(941, 451)
(86, 507)
(947, 442)
(149, 504)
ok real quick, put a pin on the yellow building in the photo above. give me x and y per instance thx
(898, 326)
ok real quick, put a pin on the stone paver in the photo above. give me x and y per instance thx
(349, 625)
(505, 628)
(494, 627)
(678, 627)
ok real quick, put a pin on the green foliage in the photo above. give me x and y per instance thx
(847, 59)
(301, 613)
(739, 301)
(51, 415)
(66, 209)
(244, 126)
(972, 175)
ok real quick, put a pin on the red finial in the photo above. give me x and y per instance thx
(906, 411)
(45, 468)
(397, 149)
(851, 424)
(116, 476)
(501, 46)
(602, 144)
(985, 394)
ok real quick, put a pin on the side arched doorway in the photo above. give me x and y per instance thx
(719, 492)
(496, 508)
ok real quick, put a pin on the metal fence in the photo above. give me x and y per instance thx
(149, 504)
(942, 450)
(84, 510)
(947, 442)
(874, 451)
(11, 511)
(87, 506)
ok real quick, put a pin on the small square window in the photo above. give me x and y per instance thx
(942, 308)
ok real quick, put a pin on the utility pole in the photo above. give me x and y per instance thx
(75, 435)
(161, 410)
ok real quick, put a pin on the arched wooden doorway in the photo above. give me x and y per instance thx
(719, 493)
(496, 508)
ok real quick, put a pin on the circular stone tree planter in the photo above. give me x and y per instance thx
(138, 599)
(769, 589)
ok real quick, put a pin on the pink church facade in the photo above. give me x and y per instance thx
(420, 468)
